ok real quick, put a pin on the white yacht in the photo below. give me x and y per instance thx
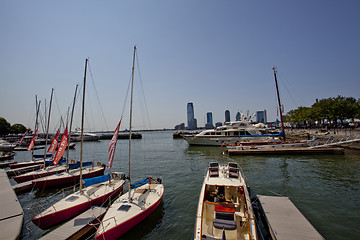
(231, 133)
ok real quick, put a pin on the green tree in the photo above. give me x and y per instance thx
(4, 127)
(18, 128)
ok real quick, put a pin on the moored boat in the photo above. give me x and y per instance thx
(70, 177)
(137, 204)
(238, 131)
(97, 192)
(224, 208)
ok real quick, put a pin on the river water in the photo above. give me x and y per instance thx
(326, 189)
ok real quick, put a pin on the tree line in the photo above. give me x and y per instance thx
(6, 128)
(328, 112)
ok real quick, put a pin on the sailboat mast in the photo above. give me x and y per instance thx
(130, 126)
(48, 125)
(278, 97)
(71, 120)
(36, 122)
(82, 126)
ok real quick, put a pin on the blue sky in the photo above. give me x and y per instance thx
(217, 54)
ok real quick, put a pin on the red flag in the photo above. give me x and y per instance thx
(32, 143)
(62, 147)
(22, 139)
(54, 143)
(112, 145)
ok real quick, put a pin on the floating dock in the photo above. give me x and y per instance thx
(78, 226)
(11, 214)
(286, 151)
(285, 221)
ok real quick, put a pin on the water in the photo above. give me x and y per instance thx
(326, 189)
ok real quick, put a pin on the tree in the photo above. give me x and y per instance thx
(4, 126)
(18, 128)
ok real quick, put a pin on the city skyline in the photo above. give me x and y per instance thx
(220, 56)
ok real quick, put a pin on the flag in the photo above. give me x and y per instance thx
(22, 139)
(112, 144)
(32, 143)
(54, 143)
(62, 147)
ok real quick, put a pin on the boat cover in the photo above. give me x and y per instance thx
(95, 180)
(77, 165)
(140, 183)
(42, 155)
(50, 162)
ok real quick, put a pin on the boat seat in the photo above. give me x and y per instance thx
(224, 220)
(214, 169)
(234, 172)
(214, 172)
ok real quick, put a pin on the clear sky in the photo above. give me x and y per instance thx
(217, 54)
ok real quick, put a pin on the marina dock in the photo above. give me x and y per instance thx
(285, 221)
(11, 214)
(76, 227)
(286, 151)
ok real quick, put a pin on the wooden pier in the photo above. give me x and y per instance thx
(78, 226)
(286, 151)
(285, 221)
(11, 214)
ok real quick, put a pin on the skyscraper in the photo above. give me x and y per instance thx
(261, 116)
(192, 123)
(227, 116)
(209, 122)
(238, 116)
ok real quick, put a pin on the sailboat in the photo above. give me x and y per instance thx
(224, 208)
(98, 190)
(134, 206)
(72, 176)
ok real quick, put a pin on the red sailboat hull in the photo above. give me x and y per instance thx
(121, 229)
(58, 217)
(25, 178)
(45, 183)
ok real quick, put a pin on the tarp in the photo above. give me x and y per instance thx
(140, 183)
(42, 155)
(50, 162)
(95, 180)
(77, 165)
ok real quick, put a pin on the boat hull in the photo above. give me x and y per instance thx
(53, 219)
(116, 222)
(219, 141)
(29, 177)
(70, 179)
(121, 229)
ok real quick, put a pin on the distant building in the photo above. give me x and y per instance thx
(238, 116)
(227, 116)
(209, 123)
(261, 116)
(192, 122)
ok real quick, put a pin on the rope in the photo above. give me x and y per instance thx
(97, 96)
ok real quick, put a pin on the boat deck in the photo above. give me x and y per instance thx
(11, 214)
(77, 226)
(285, 220)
